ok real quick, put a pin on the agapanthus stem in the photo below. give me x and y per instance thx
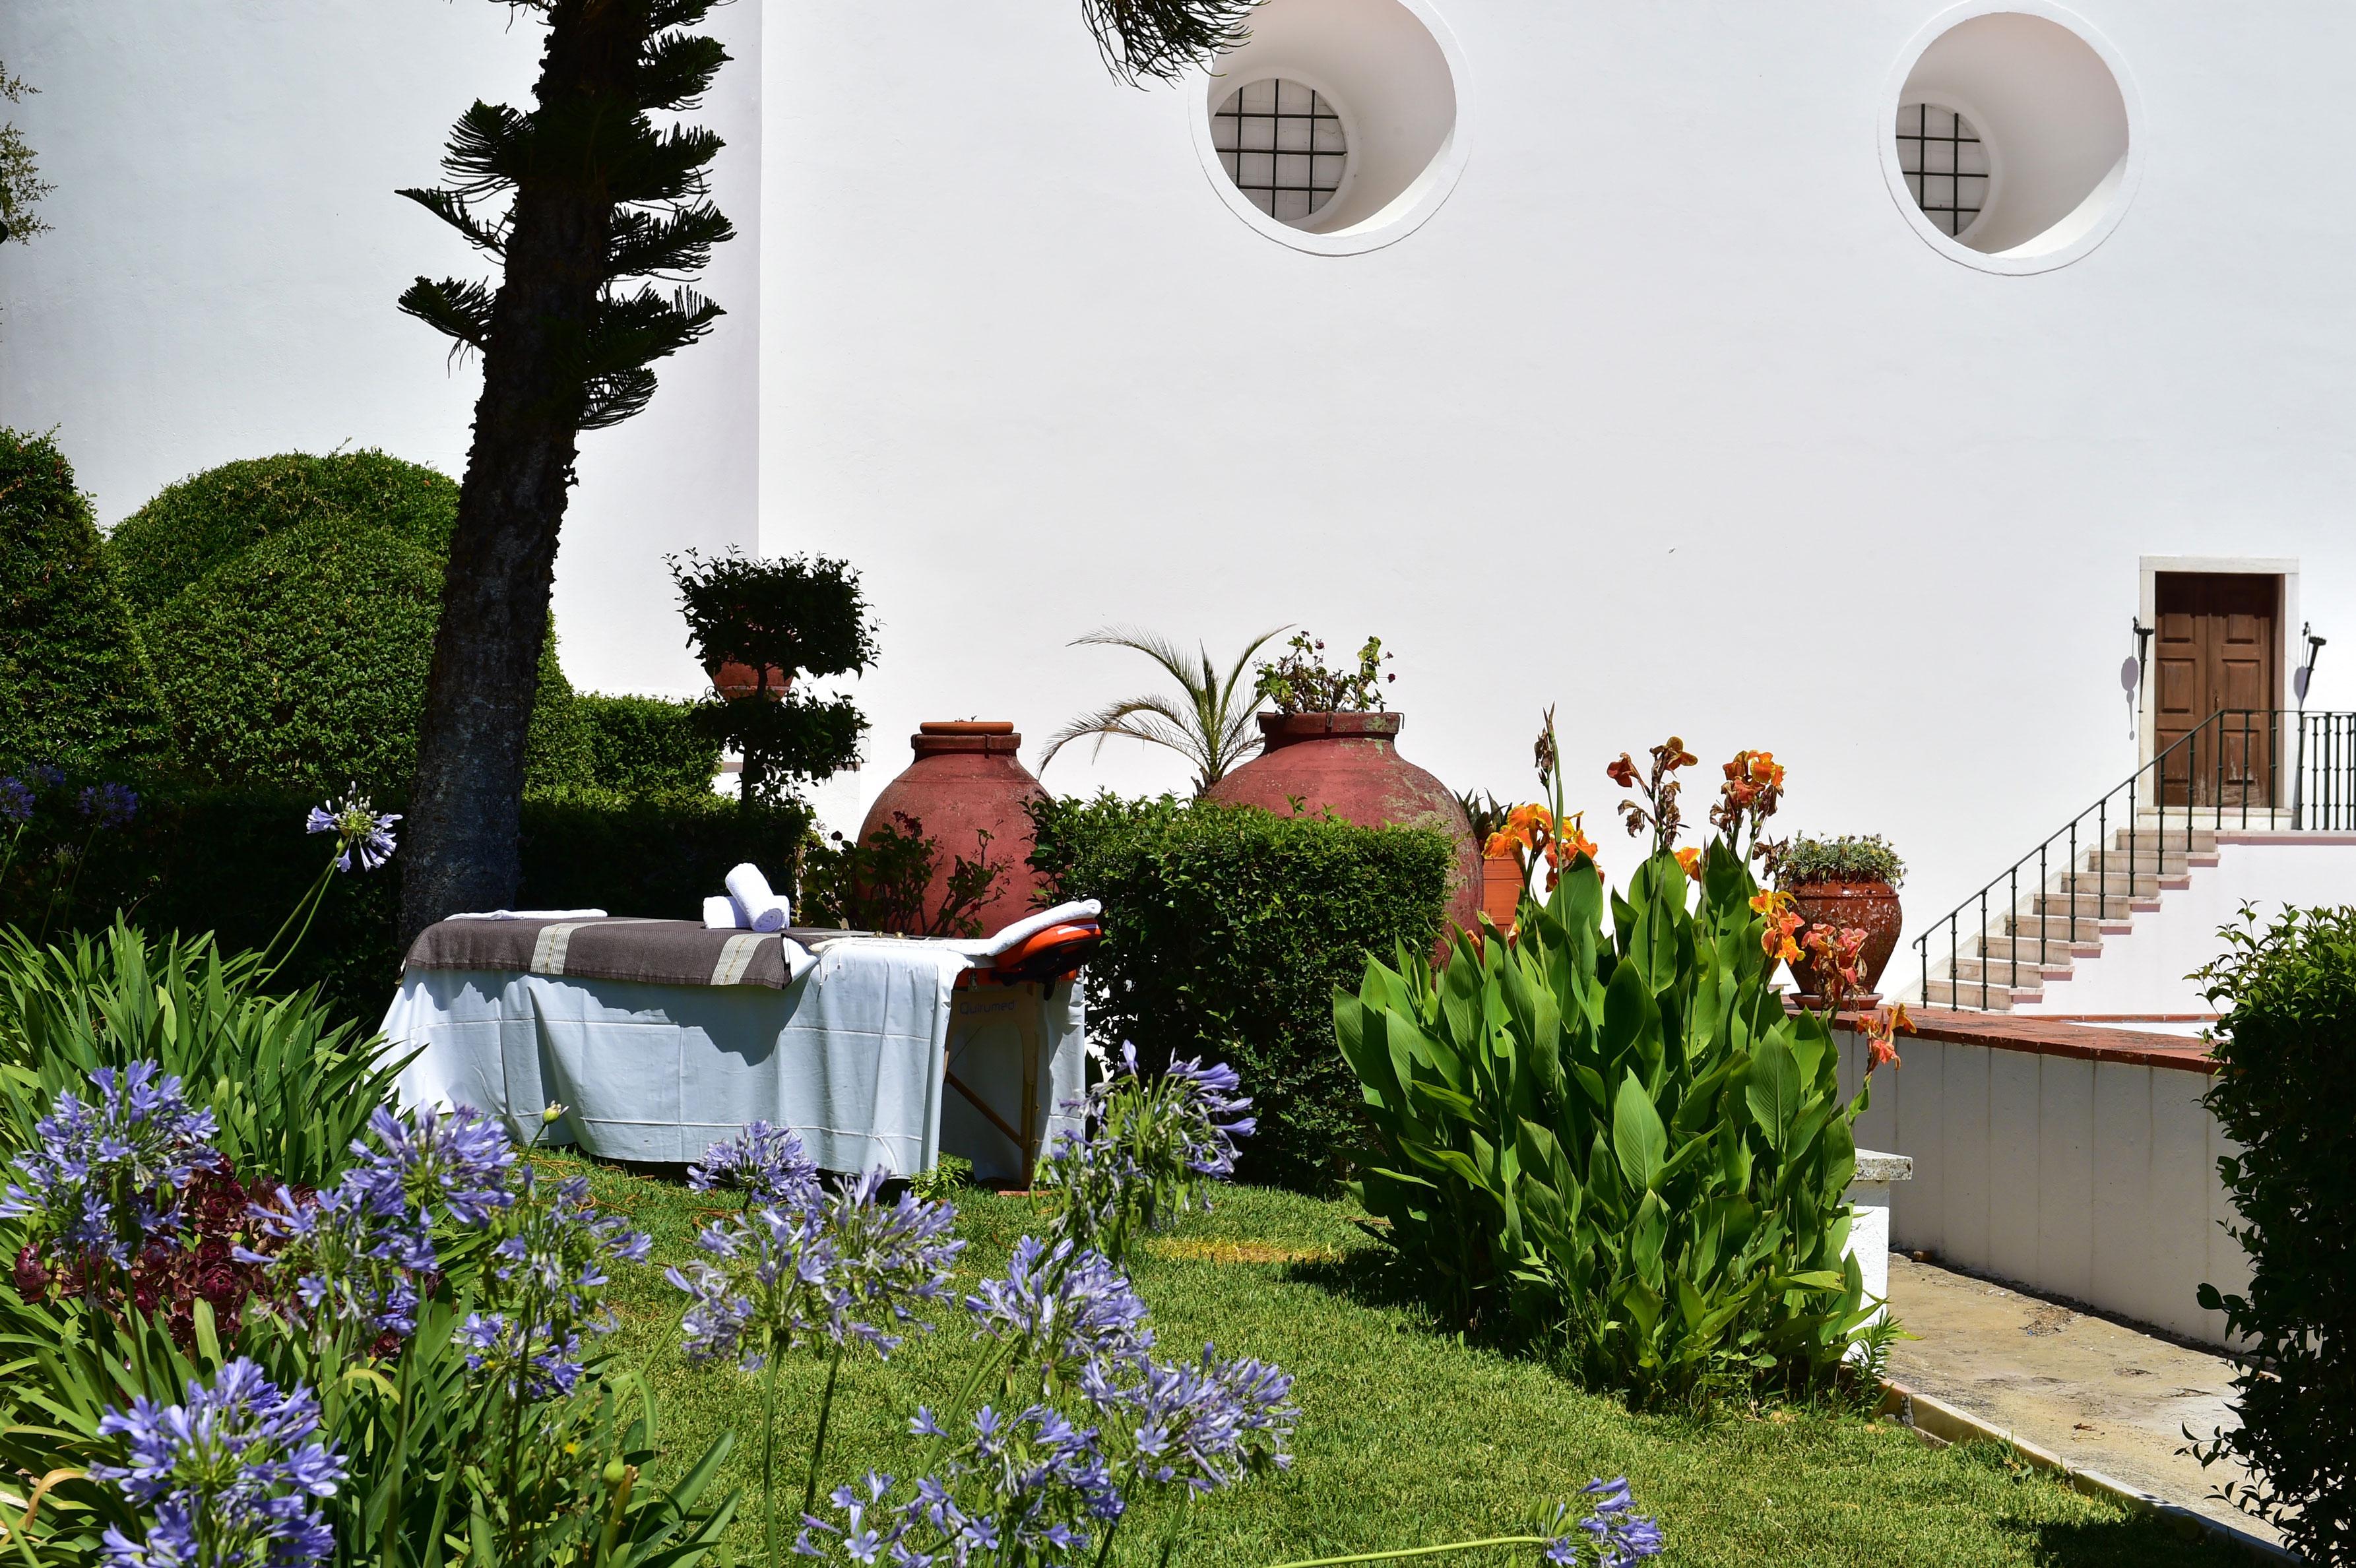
(1420, 1551)
(769, 1459)
(389, 1552)
(308, 906)
(817, 1446)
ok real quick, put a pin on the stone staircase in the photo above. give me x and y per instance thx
(2046, 930)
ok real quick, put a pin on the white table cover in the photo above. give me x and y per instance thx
(850, 1055)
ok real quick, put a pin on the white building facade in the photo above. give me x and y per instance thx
(1647, 361)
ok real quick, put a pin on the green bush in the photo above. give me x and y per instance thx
(232, 861)
(646, 745)
(1226, 929)
(194, 526)
(303, 661)
(74, 686)
(2286, 1046)
(1615, 1136)
(290, 1087)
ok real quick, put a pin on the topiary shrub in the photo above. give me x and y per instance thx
(74, 686)
(194, 526)
(302, 663)
(648, 746)
(1226, 929)
(2286, 1046)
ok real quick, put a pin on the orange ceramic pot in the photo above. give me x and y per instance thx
(1349, 764)
(1871, 907)
(966, 780)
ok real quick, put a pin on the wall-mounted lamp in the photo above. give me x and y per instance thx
(2131, 673)
(2304, 674)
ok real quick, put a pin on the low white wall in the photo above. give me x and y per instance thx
(2089, 1178)
(2144, 972)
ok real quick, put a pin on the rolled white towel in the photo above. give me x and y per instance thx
(720, 912)
(757, 909)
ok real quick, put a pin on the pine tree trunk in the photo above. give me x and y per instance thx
(465, 807)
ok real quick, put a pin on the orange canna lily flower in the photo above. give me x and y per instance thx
(1690, 858)
(1622, 773)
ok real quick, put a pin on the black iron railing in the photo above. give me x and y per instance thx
(2237, 761)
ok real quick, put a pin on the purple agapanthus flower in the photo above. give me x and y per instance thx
(766, 1163)
(1067, 1305)
(354, 1257)
(1202, 1425)
(1027, 1487)
(359, 829)
(459, 1163)
(1151, 1148)
(46, 777)
(1612, 1534)
(545, 1284)
(109, 805)
(230, 1479)
(16, 800)
(755, 1293)
(887, 1257)
(105, 1175)
(532, 1361)
(846, 1270)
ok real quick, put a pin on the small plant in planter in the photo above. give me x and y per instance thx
(1844, 892)
(1299, 683)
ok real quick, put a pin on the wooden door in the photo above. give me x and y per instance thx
(2216, 648)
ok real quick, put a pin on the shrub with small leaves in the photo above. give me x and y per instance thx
(2286, 1049)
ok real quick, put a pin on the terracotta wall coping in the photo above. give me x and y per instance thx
(2054, 1037)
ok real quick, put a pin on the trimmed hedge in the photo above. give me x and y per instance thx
(1226, 930)
(302, 663)
(194, 526)
(74, 686)
(646, 745)
(234, 861)
(2286, 1044)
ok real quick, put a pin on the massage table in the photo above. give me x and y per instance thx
(662, 1036)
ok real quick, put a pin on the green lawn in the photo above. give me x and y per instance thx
(1407, 1434)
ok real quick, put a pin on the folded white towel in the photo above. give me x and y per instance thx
(1009, 936)
(757, 909)
(720, 912)
(533, 915)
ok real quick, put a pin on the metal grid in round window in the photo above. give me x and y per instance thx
(1946, 163)
(1283, 145)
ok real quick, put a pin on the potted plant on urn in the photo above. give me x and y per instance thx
(1846, 888)
(1330, 746)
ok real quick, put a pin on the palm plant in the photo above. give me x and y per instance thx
(1209, 724)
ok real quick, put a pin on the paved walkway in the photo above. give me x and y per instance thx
(2102, 1397)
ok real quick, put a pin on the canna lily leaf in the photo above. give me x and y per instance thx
(1639, 1141)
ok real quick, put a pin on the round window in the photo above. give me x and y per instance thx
(1283, 145)
(1946, 163)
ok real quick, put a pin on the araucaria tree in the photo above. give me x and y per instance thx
(580, 199)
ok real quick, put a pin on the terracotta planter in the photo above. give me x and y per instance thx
(1349, 764)
(1871, 906)
(967, 778)
(1502, 883)
(733, 681)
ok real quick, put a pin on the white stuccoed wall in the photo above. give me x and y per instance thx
(2146, 971)
(2091, 1180)
(1667, 416)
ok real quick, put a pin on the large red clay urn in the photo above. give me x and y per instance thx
(1350, 764)
(967, 779)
